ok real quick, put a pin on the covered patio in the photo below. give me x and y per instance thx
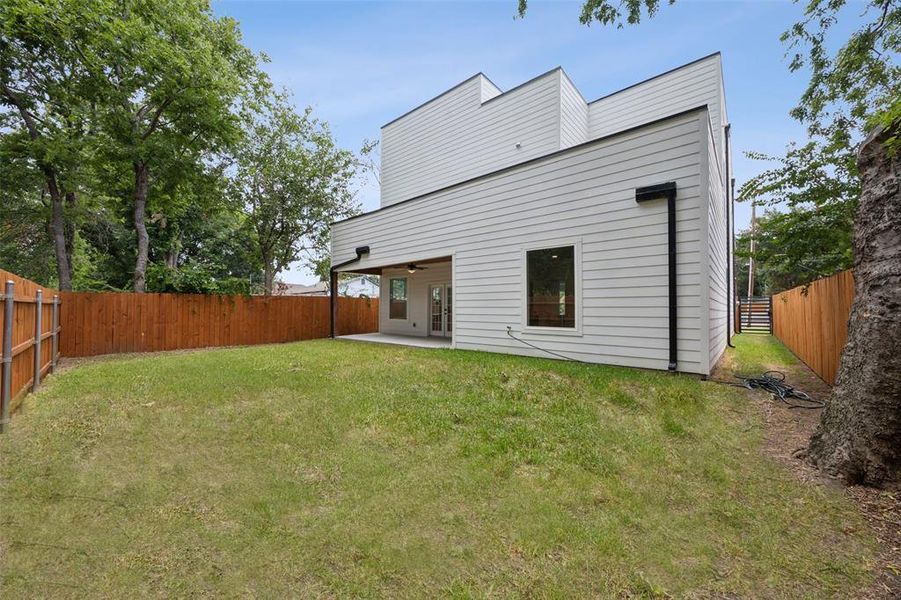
(399, 340)
(416, 300)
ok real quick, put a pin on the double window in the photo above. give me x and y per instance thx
(397, 307)
(551, 287)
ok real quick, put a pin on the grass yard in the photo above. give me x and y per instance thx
(332, 468)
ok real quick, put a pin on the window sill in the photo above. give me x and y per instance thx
(571, 331)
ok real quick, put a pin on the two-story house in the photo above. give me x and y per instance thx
(531, 221)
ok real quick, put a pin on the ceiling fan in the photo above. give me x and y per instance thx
(412, 268)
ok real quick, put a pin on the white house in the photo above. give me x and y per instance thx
(531, 221)
(363, 286)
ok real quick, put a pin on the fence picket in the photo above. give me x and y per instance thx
(109, 322)
(812, 321)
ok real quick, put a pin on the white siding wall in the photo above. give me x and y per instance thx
(573, 114)
(417, 321)
(468, 131)
(473, 128)
(682, 89)
(716, 254)
(586, 194)
(488, 89)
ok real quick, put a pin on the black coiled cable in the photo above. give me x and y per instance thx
(774, 383)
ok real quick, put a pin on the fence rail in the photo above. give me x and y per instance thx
(110, 323)
(812, 321)
(30, 326)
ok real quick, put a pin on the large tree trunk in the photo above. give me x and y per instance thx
(57, 220)
(268, 276)
(71, 209)
(140, 207)
(58, 230)
(859, 436)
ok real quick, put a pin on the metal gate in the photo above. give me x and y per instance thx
(755, 315)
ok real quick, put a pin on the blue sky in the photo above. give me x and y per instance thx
(361, 64)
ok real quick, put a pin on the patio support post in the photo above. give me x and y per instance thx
(333, 288)
(333, 302)
(39, 305)
(6, 393)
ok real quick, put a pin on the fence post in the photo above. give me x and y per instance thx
(6, 389)
(771, 314)
(39, 303)
(54, 345)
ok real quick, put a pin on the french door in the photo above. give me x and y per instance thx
(441, 318)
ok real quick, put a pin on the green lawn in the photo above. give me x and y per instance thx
(331, 468)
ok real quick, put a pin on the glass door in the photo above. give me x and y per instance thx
(440, 313)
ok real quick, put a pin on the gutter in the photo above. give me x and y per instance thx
(730, 185)
(657, 192)
(333, 287)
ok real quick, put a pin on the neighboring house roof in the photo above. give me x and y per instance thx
(296, 289)
(365, 285)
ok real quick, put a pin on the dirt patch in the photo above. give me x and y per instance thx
(788, 432)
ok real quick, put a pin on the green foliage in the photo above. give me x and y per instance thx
(24, 213)
(807, 232)
(172, 75)
(292, 180)
(795, 247)
(855, 87)
(850, 91)
(607, 12)
(812, 175)
(193, 278)
(90, 90)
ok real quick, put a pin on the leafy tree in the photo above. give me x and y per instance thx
(795, 247)
(173, 75)
(818, 185)
(47, 91)
(292, 180)
(123, 108)
(214, 254)
(24, 210)
(851, 91)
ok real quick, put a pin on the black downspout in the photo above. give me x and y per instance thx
(333, 287)
(734, 282)
(729, 283)
(333, 301)
(671, 243)
(657, 192)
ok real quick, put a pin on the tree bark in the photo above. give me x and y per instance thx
(58, 229)
(859, 436)
(142, 179)
(57, 219)
(70, 231)
(268, 276)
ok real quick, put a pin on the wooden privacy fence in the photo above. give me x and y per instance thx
(30, 318)
(812, 321)
(109, 323)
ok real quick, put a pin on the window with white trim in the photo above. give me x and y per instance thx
(551, 287)
(397, 301)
